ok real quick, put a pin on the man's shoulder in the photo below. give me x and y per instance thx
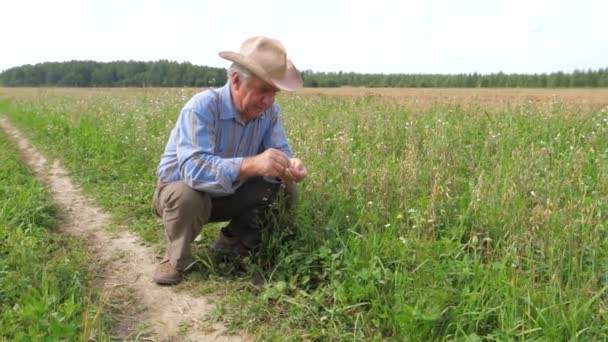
(274, 110)
(203, 98)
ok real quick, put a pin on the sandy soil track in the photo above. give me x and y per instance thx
(125, 264)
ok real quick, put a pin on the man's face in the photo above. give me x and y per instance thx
(252, 97)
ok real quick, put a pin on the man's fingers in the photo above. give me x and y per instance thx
(278, 169)
(288, 177)
(278, 164)
(277, 156)
(298, 175)
(299, 172)
(282, 159)
(284, 163)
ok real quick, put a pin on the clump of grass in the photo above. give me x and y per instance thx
(43, 292)
(421, 220)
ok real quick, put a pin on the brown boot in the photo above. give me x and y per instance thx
(166, 274)
(230, 245)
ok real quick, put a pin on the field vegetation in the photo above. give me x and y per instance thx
(43, 275)
(426, 216)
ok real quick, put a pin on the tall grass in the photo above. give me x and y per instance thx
(419, 221)
(43, 292)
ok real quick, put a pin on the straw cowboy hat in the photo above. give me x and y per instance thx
(267, 59)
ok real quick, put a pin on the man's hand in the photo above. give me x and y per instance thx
(273, 163)
(295, 172)
(270, 163)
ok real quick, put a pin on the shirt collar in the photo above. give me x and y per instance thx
(228, 109)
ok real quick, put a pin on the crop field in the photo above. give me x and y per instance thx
(428, 214)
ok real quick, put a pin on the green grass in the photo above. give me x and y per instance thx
(43, 282)
(429, 221)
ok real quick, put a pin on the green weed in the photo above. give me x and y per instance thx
(43, 282)
(418, 221)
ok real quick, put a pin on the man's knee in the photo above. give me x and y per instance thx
(185, 200)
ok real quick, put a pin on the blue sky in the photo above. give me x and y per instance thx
(432, 36)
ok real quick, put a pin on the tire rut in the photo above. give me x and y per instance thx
(125, 263)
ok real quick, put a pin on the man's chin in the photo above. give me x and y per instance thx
(254, 114)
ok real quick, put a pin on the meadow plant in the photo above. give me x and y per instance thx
(423, 218)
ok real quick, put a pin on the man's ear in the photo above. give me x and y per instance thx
(235, 79)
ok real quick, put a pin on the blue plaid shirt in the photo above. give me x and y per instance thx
(207, 146)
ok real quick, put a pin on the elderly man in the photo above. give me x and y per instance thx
(228, 159)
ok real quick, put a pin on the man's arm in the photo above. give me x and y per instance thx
(195, 146)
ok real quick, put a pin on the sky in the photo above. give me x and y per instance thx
(425, 36)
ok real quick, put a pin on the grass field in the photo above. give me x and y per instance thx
(43, 278)
(427, 214)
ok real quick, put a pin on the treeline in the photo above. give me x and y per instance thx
(172, 74)
(114, 74)
(578, 78)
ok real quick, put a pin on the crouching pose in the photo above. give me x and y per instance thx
(228, 159)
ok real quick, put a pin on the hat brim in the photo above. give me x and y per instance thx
(291, 81)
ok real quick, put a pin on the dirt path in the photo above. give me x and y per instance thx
(126, 264)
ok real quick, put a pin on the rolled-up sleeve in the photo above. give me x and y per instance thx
(199, 167)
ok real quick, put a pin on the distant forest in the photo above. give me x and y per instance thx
(172, 74)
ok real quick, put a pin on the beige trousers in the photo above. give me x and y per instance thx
(185, 211)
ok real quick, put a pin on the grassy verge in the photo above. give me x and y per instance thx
(420, 220)
(43, 292)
